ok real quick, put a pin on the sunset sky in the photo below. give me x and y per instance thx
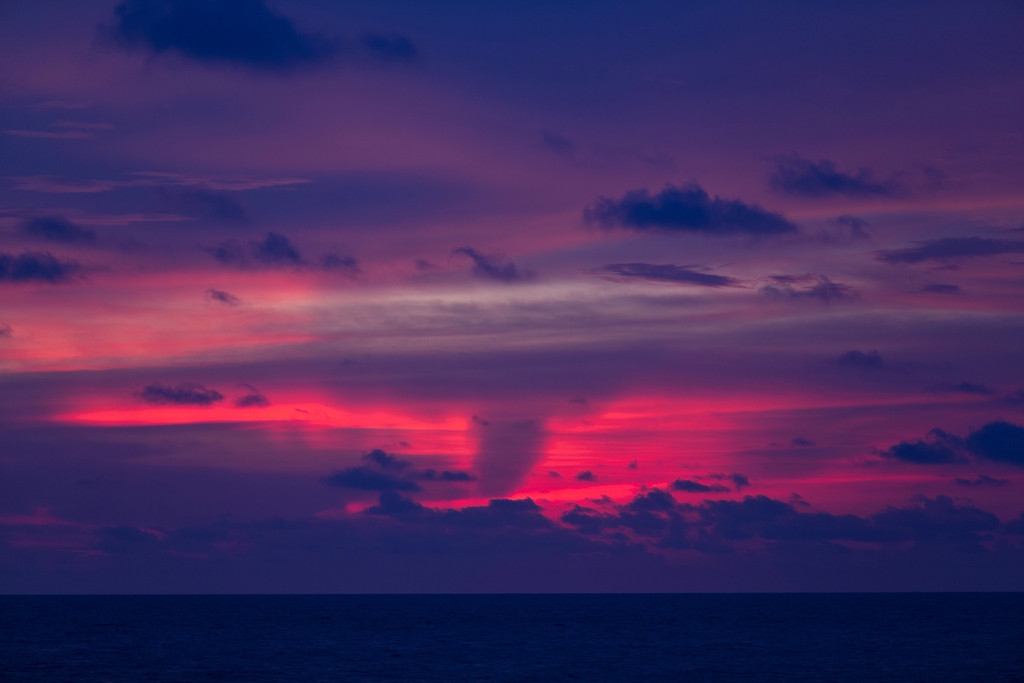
(320, 296)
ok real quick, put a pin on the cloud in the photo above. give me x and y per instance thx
(937, 288)
(998, 441)
(57, 229)
(222, 297)
(941, 447)
(5, 330)
(274, 251)
(801, 177)
(51, 134)
(717, 526)
(369, 479)
(951, 249)
(585, 475)
(254, 399)
(559, 144)
(691, 486)
(494, 266)
(662, 273)
(981, 480)
(808, 287)
(37, 267)
(185, 394)
(801, 442)
(385, 472)
(686, 209)
(334, 262)
(860, 360)
(206, 204)
(970, 388)
(240, 32)
(1015, 396)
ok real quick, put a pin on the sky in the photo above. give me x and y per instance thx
(406, 296)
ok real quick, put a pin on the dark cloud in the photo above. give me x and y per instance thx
(686, 209)
(274, 251)
(222, 297)
(802, 442)
(691, 486)
(941, 447)
(1000, 441)
(386, 461)
(185, 394)
(253, 399)
(981, 480)
(715, 526)
(369, 479)
(585, 475)
(559, 144)
(951, 249)
(805, 178)
(335, 262)
(32, 266)
(554, 475)
(494, 266)
(860, 360)
(938, 288)
(739, 480)
(5, 330)
(970, 388)
(1015, 396)
(218, 207)
(506, 453)
(394, 504)
(808, 287)
(856, 228)
(662, 273)
(391, 48)
(57, 229)
(386, 472)
(241, 32)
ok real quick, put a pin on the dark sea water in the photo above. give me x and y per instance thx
(644, 638)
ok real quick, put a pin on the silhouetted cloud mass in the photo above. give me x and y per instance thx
(941, 447)
(493, 266)
(663, 273)
(585, 475)
(32, 266)
(808, 287)
(58, 229)
(222, 297)
(253, 399)
(385, 472)
(185, 394)
(686, 209)
(981, 480)
(691, 486)
(999, 441)
(951, 249)
(801, 177)
(241, 32)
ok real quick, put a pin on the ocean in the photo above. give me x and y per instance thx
(877, 638)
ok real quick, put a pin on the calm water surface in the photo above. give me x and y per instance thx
(922, 638)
